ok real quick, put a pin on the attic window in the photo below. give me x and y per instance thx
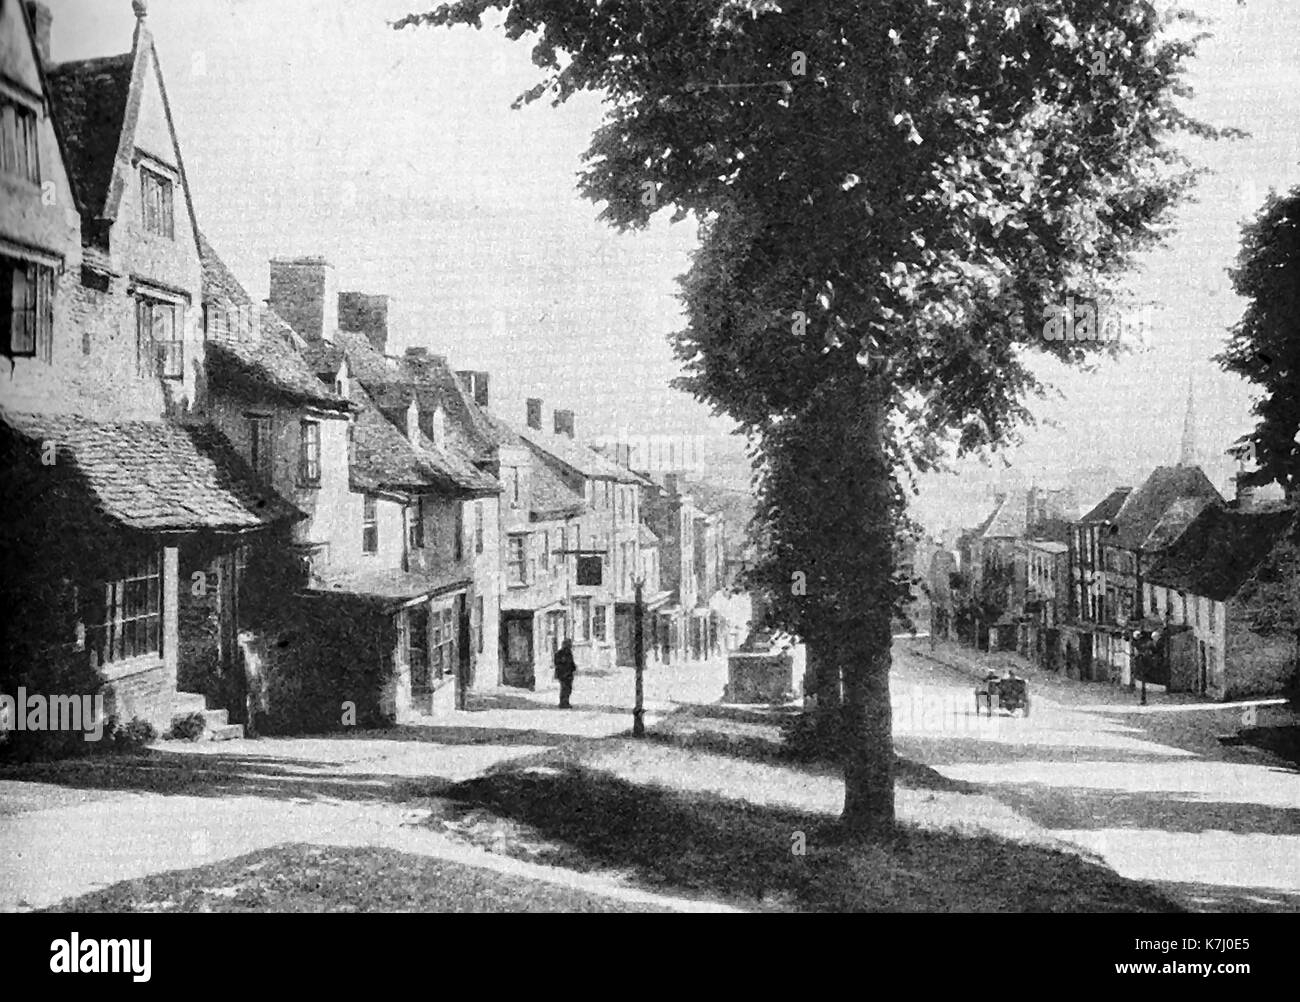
(18, 146)
(156, 203)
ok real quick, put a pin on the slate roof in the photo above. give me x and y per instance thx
(381, 459)
(323, 359)
(1056, 530)
(89, 98)
(1109, 506)
(159, 476)
(1221, 550)
(1144, 508)
(268, 363)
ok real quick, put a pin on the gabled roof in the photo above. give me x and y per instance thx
(1108, 507)
(1174, 522)
(266, 363)
(1221, 550)
(96, 107)
(89, 98)
(157, 475)
(1144, 508)
(551, 497)
(577, 457)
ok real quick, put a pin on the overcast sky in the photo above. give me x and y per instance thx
(308, 126)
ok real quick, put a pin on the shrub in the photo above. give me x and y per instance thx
(135, 734)
(189, 727)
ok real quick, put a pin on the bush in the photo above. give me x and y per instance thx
(189, 727)
(132, 736)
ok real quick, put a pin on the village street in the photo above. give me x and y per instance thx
(1149, 790)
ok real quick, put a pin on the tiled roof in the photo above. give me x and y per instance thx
(267, 362)
(324, 359)
(1174, 522)
(381, 458)
(576, 456)
(1144, 508)
(89, 99)
(551, 496)
(156, 475)
(1109, 506)
(456, 466)
(1220, 551)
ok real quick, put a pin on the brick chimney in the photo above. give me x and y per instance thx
(366, 315)
(563, 423)
(304, 291)
(534, 413)
(42, 21)
(476, 385)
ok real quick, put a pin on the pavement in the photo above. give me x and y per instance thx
(1151, 789)
(72, 827)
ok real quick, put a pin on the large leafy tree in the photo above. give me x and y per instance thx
(1265, 343)
(890, 195)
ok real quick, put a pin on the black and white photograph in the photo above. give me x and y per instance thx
(666, 456)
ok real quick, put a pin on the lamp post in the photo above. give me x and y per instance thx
(638, 652)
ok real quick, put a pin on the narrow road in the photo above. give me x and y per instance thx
(1149, 789)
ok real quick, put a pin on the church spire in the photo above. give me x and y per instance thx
(1187, 452)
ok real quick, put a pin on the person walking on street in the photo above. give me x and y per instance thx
(565, 669)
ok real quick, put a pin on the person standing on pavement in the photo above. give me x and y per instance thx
(565, 669)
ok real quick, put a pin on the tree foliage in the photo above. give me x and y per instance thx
(891, 196)
(1265, 343)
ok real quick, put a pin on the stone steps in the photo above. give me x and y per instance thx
(217, 725)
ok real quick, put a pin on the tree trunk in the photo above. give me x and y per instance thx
(824, 674)
(861, 648)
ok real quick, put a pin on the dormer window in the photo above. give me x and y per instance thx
(156, 203)
(18, 145)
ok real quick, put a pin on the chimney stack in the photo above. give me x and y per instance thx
(304, 291)
(671, 484)
(564, 423)
(42, 22)
(366, 315)
(534, 413)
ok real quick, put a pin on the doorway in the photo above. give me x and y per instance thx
(517, 651)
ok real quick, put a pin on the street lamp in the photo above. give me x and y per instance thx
(638, 652)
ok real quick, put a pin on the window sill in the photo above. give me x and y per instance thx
(118, 670)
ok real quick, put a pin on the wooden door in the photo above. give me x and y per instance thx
(517, 651)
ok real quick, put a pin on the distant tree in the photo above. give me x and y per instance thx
(1265, 342)
(892, 196)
